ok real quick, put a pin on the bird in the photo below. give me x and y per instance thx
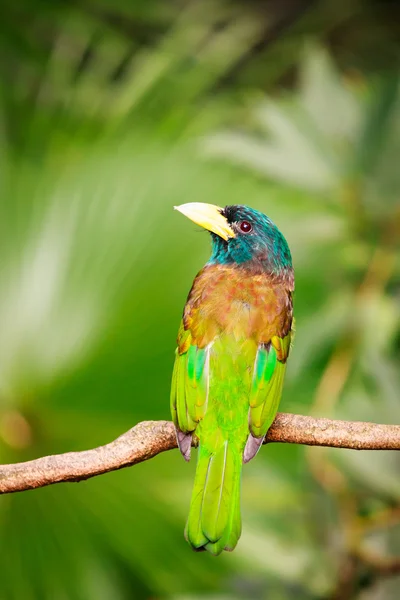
(232, 346)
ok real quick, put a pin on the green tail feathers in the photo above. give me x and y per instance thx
(214, 522)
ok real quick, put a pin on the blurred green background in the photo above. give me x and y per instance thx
(111, 112)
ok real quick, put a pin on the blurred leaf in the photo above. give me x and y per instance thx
(331, 104)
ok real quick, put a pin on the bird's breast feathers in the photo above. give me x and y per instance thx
(229, 300)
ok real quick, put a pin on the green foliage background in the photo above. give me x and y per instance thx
(111, 114)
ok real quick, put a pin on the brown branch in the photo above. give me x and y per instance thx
(380, 565)
(149, 438)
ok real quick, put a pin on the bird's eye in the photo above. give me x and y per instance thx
(245, 226)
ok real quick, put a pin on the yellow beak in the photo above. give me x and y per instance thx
(208, 216)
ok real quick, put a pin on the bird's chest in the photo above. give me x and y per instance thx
(232, 303)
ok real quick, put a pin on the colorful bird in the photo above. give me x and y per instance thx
(233, 343)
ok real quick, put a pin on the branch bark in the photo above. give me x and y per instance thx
(149, 438)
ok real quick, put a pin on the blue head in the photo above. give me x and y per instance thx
(257, 241)
(241, 236)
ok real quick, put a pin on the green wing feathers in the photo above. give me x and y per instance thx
(197, 381)
(189, 389)
(214, 522)
(266, 391)
(181, 401)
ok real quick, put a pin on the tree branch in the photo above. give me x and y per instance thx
(149, 438)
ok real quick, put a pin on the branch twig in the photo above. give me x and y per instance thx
(149, 438)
